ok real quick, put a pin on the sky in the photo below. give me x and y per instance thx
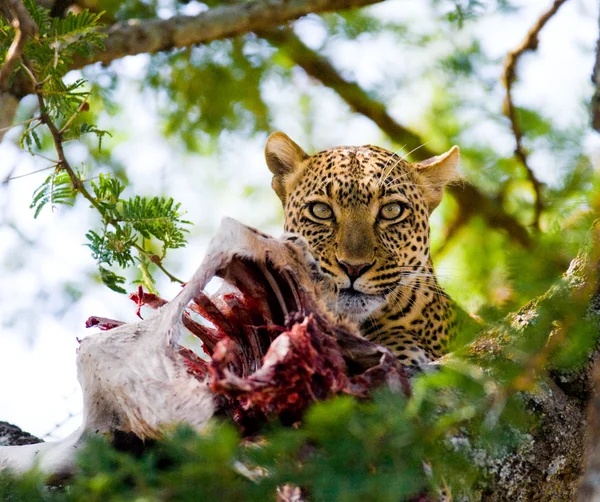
(40, 324)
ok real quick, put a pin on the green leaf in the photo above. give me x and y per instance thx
(112, 280)
(56, 189)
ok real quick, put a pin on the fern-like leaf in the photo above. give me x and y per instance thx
(56, 189)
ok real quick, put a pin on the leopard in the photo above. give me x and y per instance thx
(364, 212)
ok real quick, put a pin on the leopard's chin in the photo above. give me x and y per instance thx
(355, 305)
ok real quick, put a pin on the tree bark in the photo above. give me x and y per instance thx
(11, 435)
(150, 36)
(590, 485)
(550, 463)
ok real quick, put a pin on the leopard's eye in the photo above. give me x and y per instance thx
(392, 211)
(321, 211)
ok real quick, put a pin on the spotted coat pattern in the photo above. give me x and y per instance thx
(396, 299)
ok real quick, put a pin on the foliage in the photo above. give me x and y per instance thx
(129, 226)
(345, 450)
(212, 88)
(133, 221)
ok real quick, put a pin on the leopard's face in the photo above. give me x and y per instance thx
(365, 222)
(365, 214)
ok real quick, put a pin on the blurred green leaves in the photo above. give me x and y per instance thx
(211, 89)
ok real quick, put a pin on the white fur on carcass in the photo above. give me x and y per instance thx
(132, 377)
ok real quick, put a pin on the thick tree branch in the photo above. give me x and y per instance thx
(151, 36)
(471, 200)
(549, 464)
(529, 43)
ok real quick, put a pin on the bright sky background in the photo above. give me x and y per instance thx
(38, 343)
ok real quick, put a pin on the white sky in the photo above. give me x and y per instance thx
(37, 353)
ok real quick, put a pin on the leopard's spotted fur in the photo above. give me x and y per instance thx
(380, 268)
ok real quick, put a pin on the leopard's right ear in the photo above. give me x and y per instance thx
(284, 157)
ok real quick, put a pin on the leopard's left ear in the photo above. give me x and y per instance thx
(433, 174)
(284, 158)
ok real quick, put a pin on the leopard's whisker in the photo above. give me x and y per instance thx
(385, 174)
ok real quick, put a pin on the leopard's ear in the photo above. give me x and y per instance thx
(433, 174)
(284, 157)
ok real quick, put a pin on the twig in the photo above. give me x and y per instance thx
(158, 262)
(24, 26)
(10, 178)
(529, 43)
(467, 196)
(83, 106)
(42, 156)
(63, 163)
(25, 122)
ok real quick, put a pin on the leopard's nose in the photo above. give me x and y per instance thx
(354, 270)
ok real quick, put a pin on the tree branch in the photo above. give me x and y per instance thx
(471, 200)
(529, 43)
(548, 466)
(150, 36)
(136, 36)
(24, 27)
(76, 182)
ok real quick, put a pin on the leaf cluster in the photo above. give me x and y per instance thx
(47, 59)
(458, 12)
(128, 225)
(56, 189)
(51, 53)
(131, 228)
